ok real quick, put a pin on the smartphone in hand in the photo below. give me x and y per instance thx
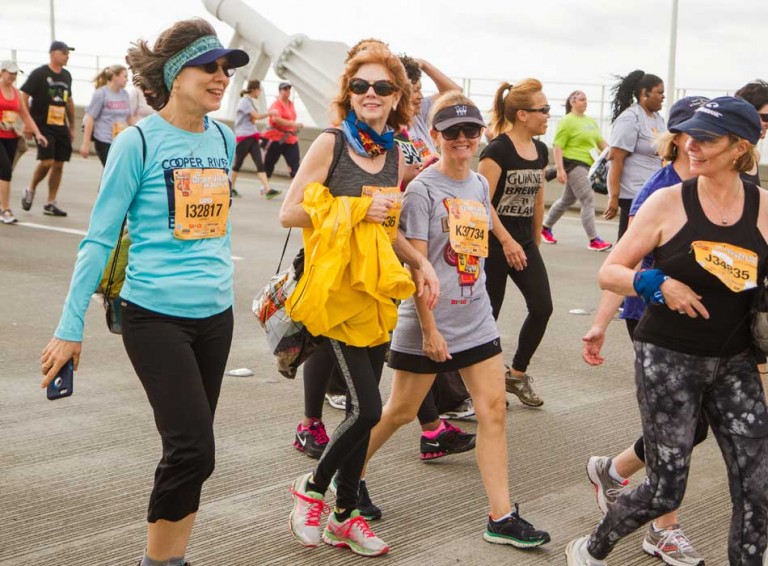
(61, 385)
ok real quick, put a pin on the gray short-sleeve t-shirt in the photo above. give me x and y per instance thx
(107, 108)
(463, 314)
(244, 127)
(419, 133)
(634, 131)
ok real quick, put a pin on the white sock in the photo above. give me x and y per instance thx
(614, 474)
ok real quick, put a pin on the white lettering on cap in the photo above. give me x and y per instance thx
(461, 110)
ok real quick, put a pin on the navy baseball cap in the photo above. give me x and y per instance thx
(684, 108)
(457, 114)
(722, 116)
(60, 46)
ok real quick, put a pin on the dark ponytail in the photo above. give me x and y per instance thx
(629, 88)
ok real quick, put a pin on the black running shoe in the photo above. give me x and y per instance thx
(452, 440)
(364, 504)
(51, 209)
(311, 439)
(516, 531)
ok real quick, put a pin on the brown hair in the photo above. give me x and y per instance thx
(568, 105)
(147, 64)
(375, 53)
(748, 159)
(364, 44)
(252, 85)
(106, 75)
(505, 106)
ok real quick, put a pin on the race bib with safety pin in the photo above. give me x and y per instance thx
(468, 226)
(202, 203)
(393, 217)
(55, 116)
(117, 127)
(7, 119)
(736, 267)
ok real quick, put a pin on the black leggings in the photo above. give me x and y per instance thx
(248, 146)
(533, 284)
(348, 446)
(102, 150)
(448, 391)
(7, 153)
(288, 150)
(180, 362)
(625, 205)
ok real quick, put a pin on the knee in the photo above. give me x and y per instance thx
(399, 415)
(200, 456)
(491, 412)
(369, 417)
(57, 165)
(542, 310)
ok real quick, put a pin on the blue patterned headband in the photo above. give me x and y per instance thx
(175, 64)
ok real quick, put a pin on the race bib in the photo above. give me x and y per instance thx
(468, 227)
(117, 127)
(202, 203)
(7, 119)
(393, 218)
(55, 116)
(735, 267)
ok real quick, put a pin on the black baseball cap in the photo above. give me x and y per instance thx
(457, 114)
(684, 108)
(722, 116)
(60, 46)
(283, 85)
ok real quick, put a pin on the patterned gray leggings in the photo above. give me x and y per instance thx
(672, 388)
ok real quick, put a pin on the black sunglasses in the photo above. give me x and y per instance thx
(764, 117)
(213, 67)
(361, 86)
(543, 109)
(470, 131)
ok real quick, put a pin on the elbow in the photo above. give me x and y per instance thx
(284, 220)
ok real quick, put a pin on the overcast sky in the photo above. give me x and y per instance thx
(721, 43)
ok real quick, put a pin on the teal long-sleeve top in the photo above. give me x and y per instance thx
(176, 277)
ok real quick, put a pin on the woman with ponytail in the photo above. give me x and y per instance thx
(109, 112)
(637, 99)
(513, 162)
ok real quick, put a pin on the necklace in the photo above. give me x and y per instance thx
(721, 211)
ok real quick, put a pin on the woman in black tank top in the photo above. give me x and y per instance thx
(693, 345)
(371, 103)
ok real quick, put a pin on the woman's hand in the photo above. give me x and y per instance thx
(55, 355)
(41, 139)
(435, 346)
(612, 209)
(593, 342)
(515, 255)
(562, 176)
(680, 297)
(379, 209)
(424, 276)
(85, 151)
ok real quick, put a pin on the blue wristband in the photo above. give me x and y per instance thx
(647, 284)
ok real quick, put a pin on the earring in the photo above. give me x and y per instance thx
(394, 106)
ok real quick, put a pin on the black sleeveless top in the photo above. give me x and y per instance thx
(348, 179)
(753, 178)
(727, 332)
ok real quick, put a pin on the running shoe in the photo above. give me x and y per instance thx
(27, 198)
(337, 401)
(269, 194)
(311, 439)
(464, 412)
(235, 193)
(308, 507)
(51, 209)
(576, 554)
(521, 386)
(354, 534)
(452, 440)
(607, 489)
(546, 236)
(516, 531)
(364, 504)
(599, 245)
(672, 546)
(7, 217)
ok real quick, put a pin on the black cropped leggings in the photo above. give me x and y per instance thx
(533, 284)
(7, 153)
(248, 146)
(180, 362)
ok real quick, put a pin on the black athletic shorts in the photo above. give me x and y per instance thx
(59, 145)
(418, 363)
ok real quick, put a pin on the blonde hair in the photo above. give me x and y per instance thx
(666, 147)
(107, 74)
(376, 54)
(505, 106)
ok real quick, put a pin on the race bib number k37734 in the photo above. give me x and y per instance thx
(736, 267)
(468, 226)
(393, 217)
(202, 203)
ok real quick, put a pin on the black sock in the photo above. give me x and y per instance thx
(313, 487)
(342, 516)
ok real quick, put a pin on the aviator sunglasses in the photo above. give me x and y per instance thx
(543, 110)
(361, 86)
(212, 67)
(471, 132)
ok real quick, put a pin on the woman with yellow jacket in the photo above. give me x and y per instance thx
(362, 188)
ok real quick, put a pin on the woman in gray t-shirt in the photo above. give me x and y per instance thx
(108, 113)
(447, 216)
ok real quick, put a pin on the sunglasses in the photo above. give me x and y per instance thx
(361, 86)
(764, 117)
(543, 109)
(470, 131)
(213, 67)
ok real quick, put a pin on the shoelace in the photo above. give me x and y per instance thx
(516, 514)
(616, 491)
(678, 538)
(360, 523)
(317, 508)
(317, 430)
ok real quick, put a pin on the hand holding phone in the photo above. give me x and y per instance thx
(62, 385)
